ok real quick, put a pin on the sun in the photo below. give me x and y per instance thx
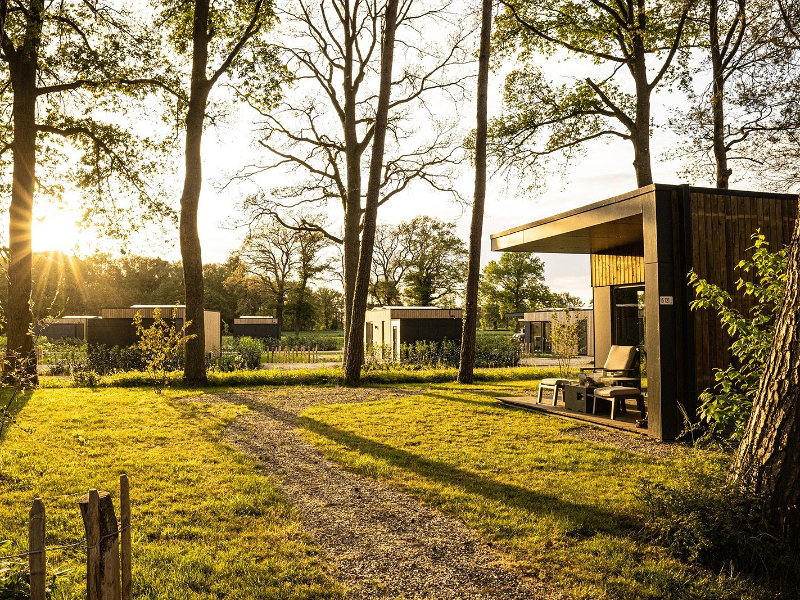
(57, 230)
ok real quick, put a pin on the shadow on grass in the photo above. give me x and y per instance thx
(10, 407)
(580, 517)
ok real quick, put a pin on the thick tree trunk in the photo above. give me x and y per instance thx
(280, 303)
(767, 462)
(21, 355)
(467, 358)
(354, 351)
(195, 369)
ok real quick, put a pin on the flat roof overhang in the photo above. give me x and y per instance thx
(597, 227)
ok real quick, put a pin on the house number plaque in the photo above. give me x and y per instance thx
(665, 300)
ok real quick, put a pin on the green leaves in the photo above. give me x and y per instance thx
(726, 407)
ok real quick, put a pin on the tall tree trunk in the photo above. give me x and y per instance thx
(767, 462)
(195, 368)
(352, 202)
(640, 136)
(718, 98)
(354, 351)
(20, 355)
(280, 302)
(467, 359)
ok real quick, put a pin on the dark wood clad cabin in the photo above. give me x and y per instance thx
(393, 326)
(642, 245)
(256, 327)
(115, 326)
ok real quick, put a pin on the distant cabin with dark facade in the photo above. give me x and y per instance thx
(641, 247)
(393, 326)
(256, 327)
(68, 327)
(115, 326)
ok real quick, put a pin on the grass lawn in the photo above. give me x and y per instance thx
(562, 509)
(206, 522)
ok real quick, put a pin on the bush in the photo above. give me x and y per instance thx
(497, 351)
(703, 519)
(63, 356)
(85, 378)
(104, 360)
(249, 352)
(727, 406)
(307, 340)
(15, 580)
(325, 376)
(161, 346)
(238, 353)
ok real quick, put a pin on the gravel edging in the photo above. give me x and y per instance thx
(382, 542)
(631, 442)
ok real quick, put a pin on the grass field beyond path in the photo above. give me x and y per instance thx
(563, 509)
(206, 523)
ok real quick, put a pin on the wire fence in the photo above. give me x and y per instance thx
(107, 543)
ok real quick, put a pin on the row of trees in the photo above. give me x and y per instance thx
(292, 275)
(69, 285)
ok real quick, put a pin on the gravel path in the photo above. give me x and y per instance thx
(383, 543)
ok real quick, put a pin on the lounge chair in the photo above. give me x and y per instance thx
(618, 365)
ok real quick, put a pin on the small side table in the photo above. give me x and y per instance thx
(578, 398)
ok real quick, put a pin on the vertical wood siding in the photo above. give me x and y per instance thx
(721, 228)
(618, 267)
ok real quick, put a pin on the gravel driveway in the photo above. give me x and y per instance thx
(383, 542)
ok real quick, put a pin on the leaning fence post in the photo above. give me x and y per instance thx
(37, 560)
(125, 545)
(102, 541)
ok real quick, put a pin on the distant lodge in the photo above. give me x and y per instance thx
(392, 326)
(537, 329)
(115, 327)
(256, 327)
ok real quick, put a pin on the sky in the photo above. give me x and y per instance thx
(604, 171)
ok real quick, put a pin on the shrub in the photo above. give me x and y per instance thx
(105, 360)
(161, 346)
(703, 519)
(249, 351)
(325, 376)
(85, 378)
(322, 342)
(496, 351)
(15, 580)
(727, 406)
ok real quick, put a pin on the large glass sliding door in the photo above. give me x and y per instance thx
(629, 324)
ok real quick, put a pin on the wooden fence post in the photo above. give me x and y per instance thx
(102, 541)
(37, 560)
(125, 544)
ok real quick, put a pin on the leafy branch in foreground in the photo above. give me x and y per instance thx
(726, 407)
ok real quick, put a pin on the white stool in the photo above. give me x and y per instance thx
(554, 385)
